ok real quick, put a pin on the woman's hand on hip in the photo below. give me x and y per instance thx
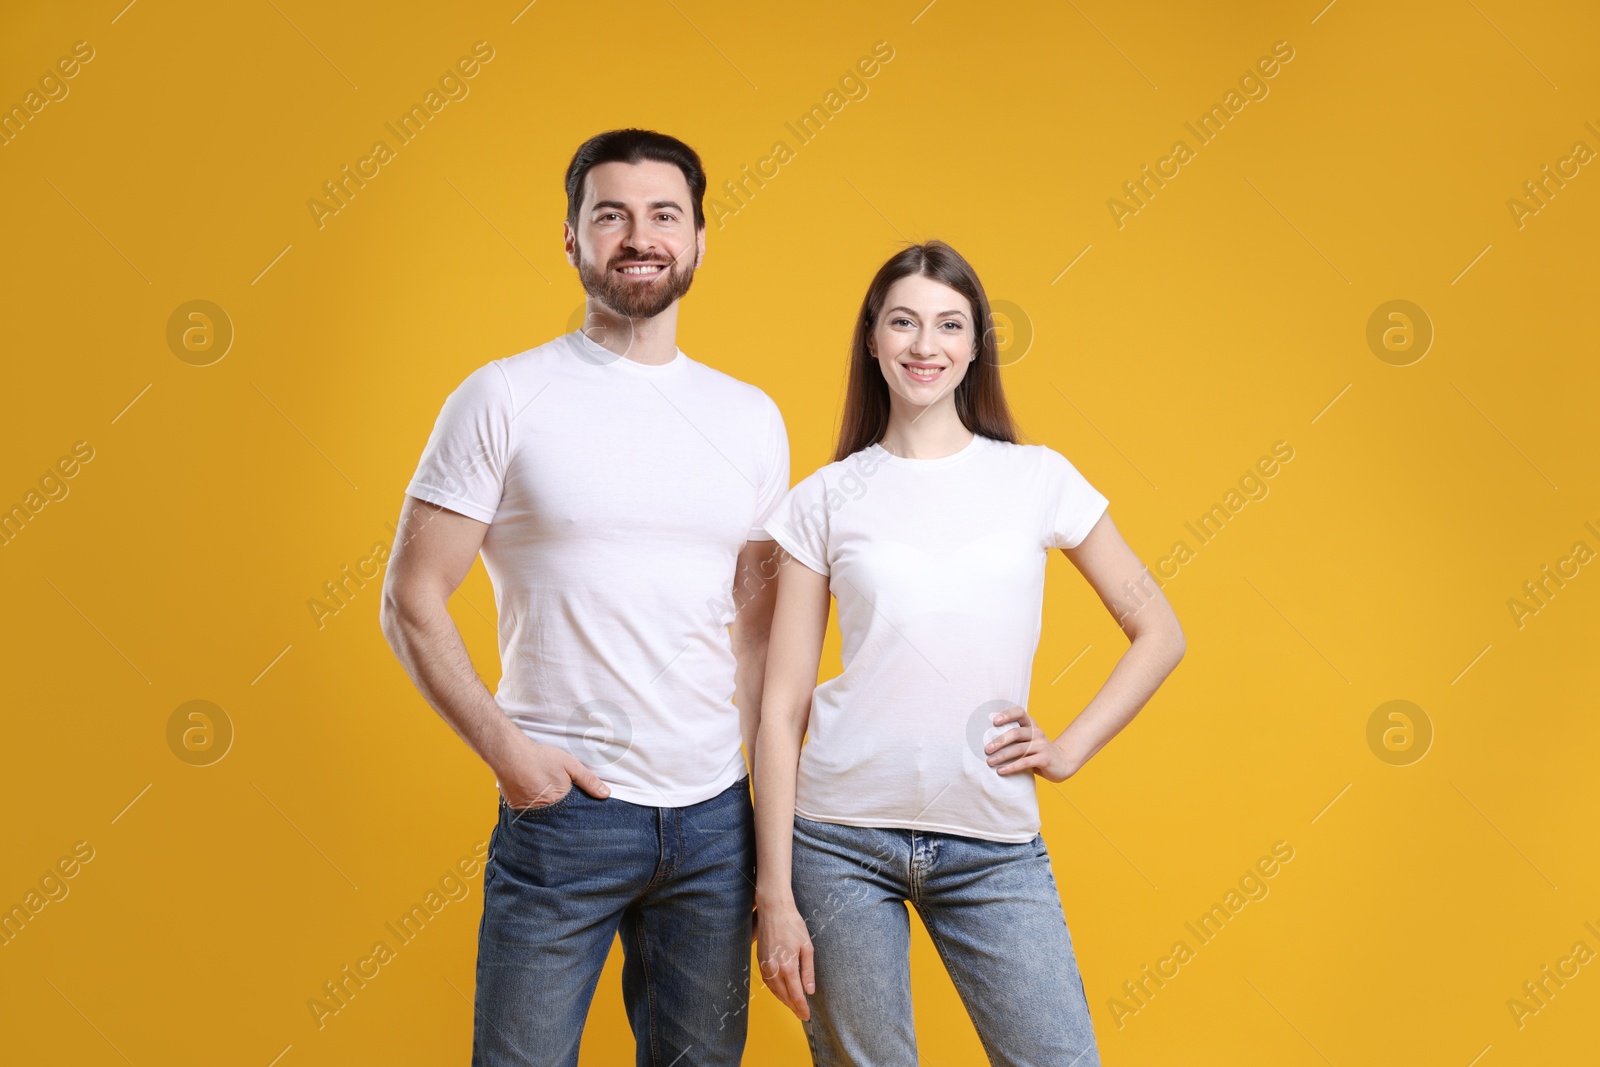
(1026, 747)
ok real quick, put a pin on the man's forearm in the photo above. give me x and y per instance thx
(428, 644)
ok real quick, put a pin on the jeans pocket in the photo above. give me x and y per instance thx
(519, 814)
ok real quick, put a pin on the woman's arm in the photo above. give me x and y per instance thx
(794, 653)
(1131, 595)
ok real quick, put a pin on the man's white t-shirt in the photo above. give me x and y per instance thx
(938, 569)
(618, 496)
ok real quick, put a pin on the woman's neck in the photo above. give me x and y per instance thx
(927, 433)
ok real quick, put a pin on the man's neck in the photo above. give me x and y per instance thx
(650, 341)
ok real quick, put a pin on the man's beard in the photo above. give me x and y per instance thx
(634, 300)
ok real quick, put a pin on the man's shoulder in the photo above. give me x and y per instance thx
(550, 353)
(521, 375)
(735, 390)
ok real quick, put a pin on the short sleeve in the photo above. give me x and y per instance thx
(1074, 506)
(463, 466)
(774, 474)
(800, 523)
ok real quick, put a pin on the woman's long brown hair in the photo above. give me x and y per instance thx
(980, 399)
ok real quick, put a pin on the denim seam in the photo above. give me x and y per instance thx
(488, 859)
(664, 871)
(649, 989)
(914, 873)
(959, 981)
(809, 1027)
(678, 855)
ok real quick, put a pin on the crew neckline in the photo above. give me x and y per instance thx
(967, 450)
(597, 354)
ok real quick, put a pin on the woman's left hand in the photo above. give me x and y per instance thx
(1026, 747)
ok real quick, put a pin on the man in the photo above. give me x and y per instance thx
(617, 490)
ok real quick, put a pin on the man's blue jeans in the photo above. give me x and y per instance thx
(995, 916)
(562, 880)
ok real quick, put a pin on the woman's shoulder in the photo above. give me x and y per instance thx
(1035, 463)
(1022, 453)
(863, 462)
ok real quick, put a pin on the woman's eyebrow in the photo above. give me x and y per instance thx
(908, 311)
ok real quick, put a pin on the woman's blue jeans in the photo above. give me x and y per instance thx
(995, 916)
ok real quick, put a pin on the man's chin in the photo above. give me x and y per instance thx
(639, 305)
(635, 311)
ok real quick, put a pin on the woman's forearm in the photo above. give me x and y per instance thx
(777, 761)
(1149, 658)
(794, 651)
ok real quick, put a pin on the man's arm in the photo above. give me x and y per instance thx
(755, 591)
(432, 554)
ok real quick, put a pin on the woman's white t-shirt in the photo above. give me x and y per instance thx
(938, 568)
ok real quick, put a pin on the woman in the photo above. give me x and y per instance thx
(931, 528)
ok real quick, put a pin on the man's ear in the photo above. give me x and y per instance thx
(700, 247)
(569, 241)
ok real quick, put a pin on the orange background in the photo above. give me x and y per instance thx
(1228, 313)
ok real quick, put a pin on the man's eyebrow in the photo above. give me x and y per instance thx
(653, 205)
(908, 311)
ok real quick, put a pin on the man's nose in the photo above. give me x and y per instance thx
(638, 239)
